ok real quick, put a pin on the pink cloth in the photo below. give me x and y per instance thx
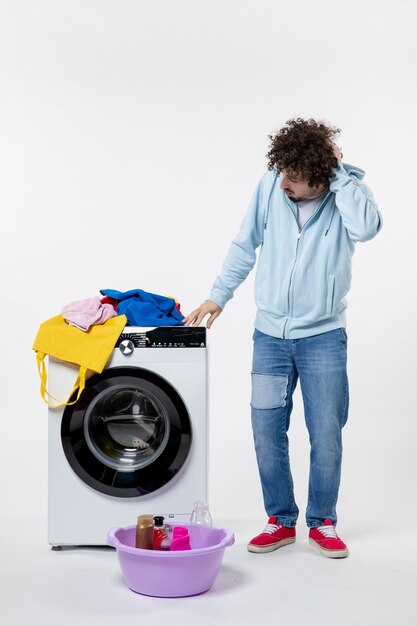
(180, 539)
(86, 313)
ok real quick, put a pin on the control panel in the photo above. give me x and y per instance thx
(162, 337)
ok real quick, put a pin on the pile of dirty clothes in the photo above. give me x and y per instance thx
(140, 307)
(59, 337)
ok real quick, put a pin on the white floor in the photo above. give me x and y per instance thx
(375, 585)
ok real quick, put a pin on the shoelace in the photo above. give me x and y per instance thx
(328, 531)
(271, 528)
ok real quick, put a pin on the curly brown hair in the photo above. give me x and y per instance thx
(304, 147)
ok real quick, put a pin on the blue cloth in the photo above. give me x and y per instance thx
(320, 363)
(145, 309)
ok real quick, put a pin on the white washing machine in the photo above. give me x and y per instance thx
(136, 440)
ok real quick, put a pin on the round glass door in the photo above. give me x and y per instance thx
(128, 434)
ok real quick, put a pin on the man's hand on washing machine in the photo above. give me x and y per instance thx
(207, 308)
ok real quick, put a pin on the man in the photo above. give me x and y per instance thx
(307, 213)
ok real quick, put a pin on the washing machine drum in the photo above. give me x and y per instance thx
(129, 433)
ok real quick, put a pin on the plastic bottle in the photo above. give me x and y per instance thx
(201, 514)
(166, 541)
(200, 525)
(160, 534)
(144, 532)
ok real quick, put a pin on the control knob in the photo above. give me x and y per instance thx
(126, 347)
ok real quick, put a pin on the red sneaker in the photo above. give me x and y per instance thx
(273, 536)
(326, 540)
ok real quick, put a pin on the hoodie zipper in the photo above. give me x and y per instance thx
(300, 232)
(290, 283)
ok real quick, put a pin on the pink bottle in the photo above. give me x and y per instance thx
(180, 538)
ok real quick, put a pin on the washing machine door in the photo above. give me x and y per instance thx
(129, 433)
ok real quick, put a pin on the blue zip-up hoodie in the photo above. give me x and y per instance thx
(303, 275)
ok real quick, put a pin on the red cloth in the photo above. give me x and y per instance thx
(112, 301)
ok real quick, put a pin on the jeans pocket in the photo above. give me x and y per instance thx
(269, 391)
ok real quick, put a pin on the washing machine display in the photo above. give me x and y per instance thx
(129, 433)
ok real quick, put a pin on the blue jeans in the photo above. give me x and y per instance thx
(320, 364)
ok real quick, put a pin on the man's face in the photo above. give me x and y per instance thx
(296, 187)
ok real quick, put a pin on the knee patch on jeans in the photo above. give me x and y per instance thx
(269, 391)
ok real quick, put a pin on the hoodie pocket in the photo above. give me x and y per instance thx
(330, 294)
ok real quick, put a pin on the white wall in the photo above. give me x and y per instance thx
(132, 136)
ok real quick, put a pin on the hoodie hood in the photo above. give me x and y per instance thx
(352, 170)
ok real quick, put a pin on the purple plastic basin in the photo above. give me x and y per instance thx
(171, 574)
